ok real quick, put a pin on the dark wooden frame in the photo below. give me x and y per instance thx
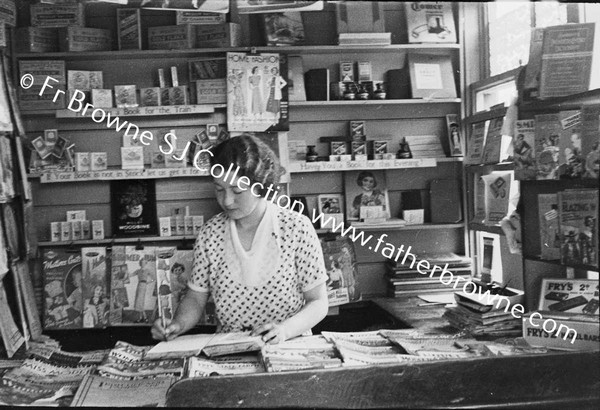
(544, 381)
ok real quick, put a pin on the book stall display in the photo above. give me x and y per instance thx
(110, 113)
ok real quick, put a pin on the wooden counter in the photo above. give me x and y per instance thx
(556, 380)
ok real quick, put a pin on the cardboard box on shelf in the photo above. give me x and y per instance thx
(171, 37)
(57, 15)
(84, 39)
(36, 40)
(218, 35)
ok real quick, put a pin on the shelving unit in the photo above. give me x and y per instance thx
(188, 53)
(309, 120)
(534, 267)
(110, 241)
(117, 174)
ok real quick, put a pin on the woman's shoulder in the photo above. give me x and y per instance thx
(292, 220)
(215, 222)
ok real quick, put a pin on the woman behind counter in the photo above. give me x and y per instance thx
(262, 264)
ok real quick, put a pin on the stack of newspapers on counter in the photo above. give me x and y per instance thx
(485, 316)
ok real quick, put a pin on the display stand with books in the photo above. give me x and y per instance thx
(559, 217)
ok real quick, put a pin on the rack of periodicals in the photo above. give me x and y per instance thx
(19, 320)
(560, 212)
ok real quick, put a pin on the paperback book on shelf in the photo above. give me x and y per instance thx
(340, 264)
(133, 275)
(431, 76)
(549, 227)
(173, 270)
(493, 142)
(95, 287)
(524, 149)
(296, 90)
(578, 216)
(475, 143)
(133, 207)
(590, 136)
(430, 22)
(547, 135)
(63, 300)
(571, 158)
(284, 28)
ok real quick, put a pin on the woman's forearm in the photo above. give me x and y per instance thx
(313, 311)
(190, 309)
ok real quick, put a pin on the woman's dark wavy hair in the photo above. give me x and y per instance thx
(256, 160)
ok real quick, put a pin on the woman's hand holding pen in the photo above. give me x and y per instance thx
(169, 331)
(271, 333)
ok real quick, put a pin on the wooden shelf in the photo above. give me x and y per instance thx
(165, 110)
(474, 226)
(142, 111)
(384, 227)
(328, 166)
(411, 101)
(557, 104)
(105, 241)
(116, 174)
(312, 49)
(536, 258)
(418, 227)
(487, 168)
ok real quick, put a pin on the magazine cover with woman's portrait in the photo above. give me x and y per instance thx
(133, 208)
(366, 195)
(340, 265)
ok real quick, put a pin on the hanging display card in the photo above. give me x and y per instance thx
(257, 92)
(570, 59)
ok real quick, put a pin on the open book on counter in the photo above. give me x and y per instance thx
(211, 345)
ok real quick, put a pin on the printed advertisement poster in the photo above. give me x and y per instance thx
(570, 295)
(133, 207)
(257, 92)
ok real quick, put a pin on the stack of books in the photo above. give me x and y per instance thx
(478, 319)
(406, 280)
